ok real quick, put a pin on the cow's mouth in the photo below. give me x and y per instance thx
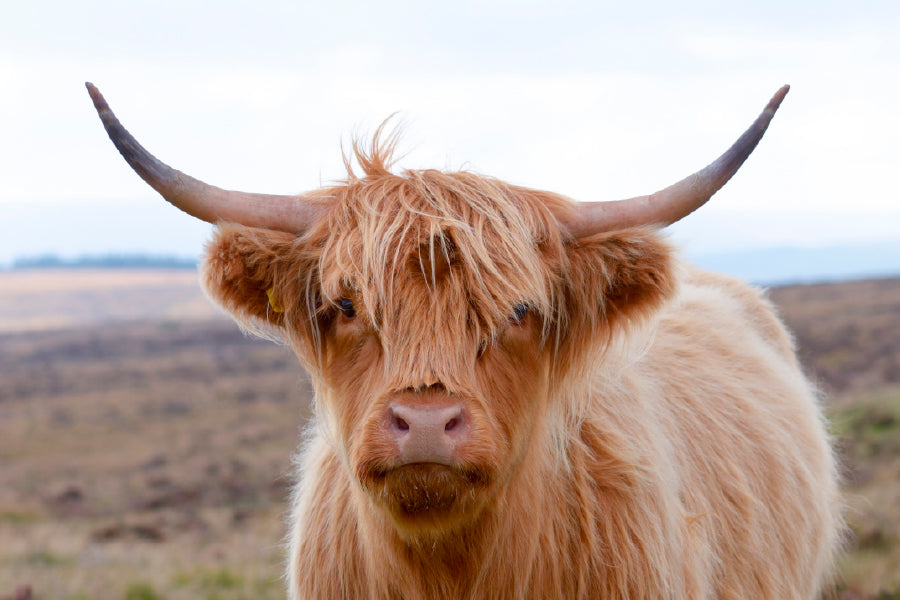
(424, 495)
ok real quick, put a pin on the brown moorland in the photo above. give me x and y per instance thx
(145, 442)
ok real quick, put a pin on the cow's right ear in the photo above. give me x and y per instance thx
(616, 279)
(242, 267)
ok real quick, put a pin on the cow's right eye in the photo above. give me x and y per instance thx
(346, 307)
(520, 311)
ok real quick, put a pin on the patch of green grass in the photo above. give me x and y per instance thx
(868, 413)
(870, 427)
(223, 579)
(226, 584)
(19, 517)
(45, 558)
(141, 590)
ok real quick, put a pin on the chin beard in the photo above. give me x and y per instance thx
(428, 497)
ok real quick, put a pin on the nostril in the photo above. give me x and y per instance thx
(397, 422)
(452, 424)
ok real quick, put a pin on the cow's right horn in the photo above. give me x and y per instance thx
(292, 214)
(679, 199)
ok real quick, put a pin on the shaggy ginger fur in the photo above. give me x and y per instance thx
(636, 429)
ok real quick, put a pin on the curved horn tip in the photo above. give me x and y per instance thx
(679, 199)
(208, 203)
(776, 100)
(97, 98)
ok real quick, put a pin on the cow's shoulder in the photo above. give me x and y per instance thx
(730, 306)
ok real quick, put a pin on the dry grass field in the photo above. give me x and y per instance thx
(145, 442)
(44, 299)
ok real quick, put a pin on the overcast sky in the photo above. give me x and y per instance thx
(596, 100)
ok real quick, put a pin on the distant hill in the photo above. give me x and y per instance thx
(779, 266)
(765, 266)
(106, 261)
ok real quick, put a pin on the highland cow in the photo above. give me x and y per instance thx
(519, 395)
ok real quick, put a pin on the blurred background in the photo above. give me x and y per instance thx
(145, 443)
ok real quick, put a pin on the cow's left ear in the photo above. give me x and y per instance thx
(616, 279)
(242, 269)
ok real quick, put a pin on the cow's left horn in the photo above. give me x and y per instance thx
(680, 199)
(209, 203)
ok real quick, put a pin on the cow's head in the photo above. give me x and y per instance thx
(436, 311)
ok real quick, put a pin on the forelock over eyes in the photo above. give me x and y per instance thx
(500, 242)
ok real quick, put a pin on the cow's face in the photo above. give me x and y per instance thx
(431, 410)
(437, 313)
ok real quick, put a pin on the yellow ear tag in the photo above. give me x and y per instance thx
(271, 294)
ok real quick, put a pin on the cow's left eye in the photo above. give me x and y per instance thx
(519, 312)
(347, 308)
